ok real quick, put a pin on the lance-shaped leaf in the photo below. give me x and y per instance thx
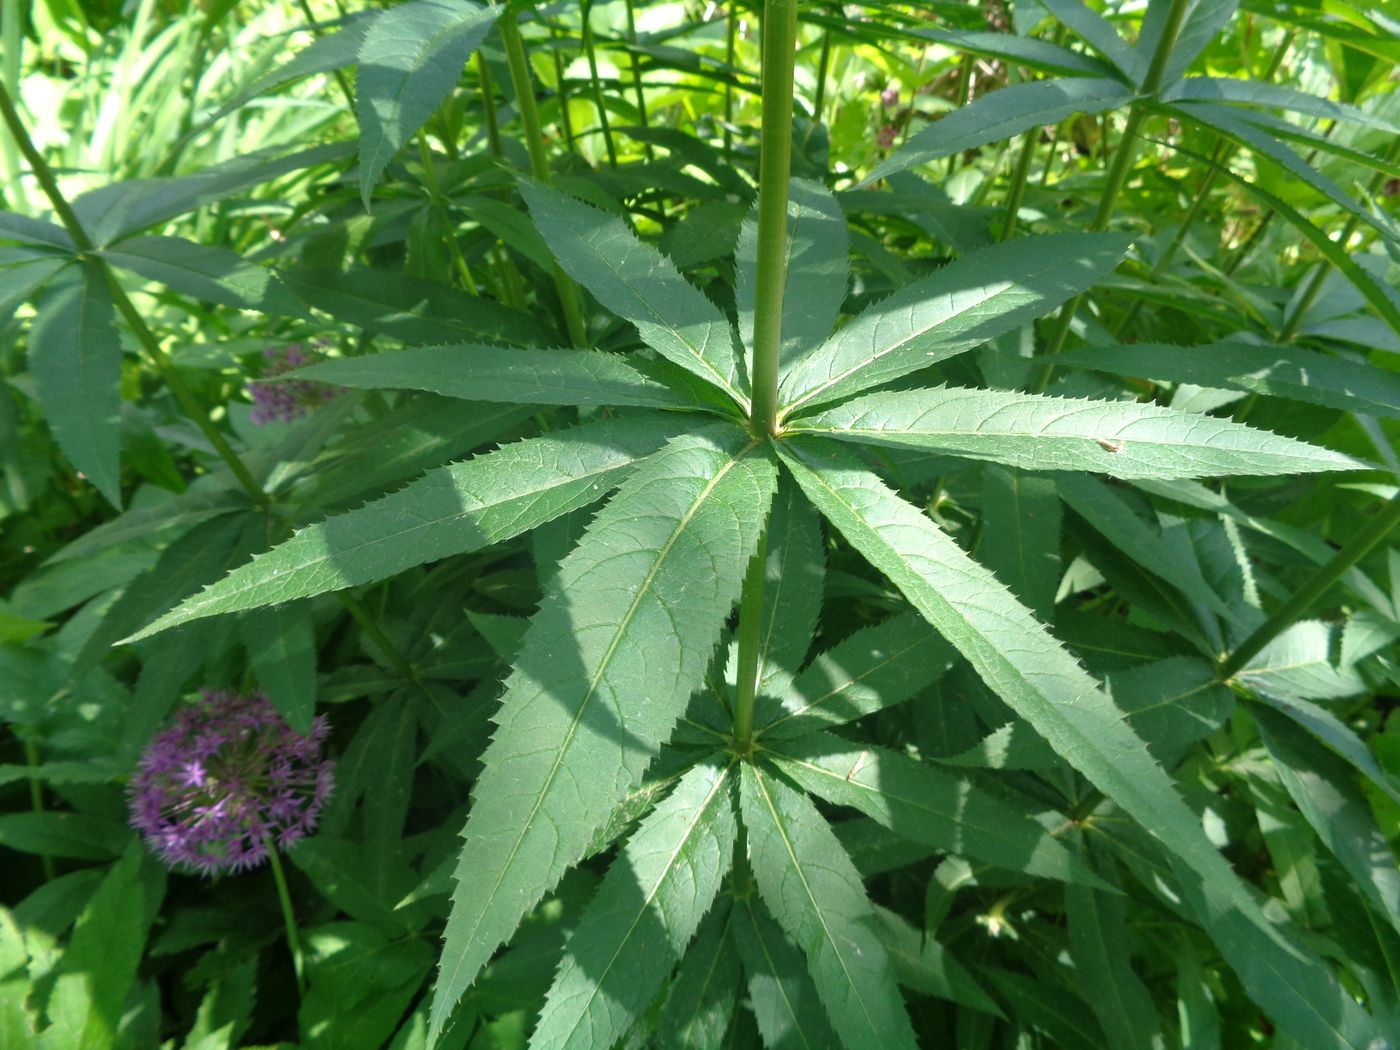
(875, 668)
(700, 1004)
(816, 269)
(1293, 372)
(637, 282)
(1327, 793)
(75, 356)
(1001, 114)
(925, 803)
(969, 301)
(1204, 20)
(1124, 439)
(785, 1002)
(450, 510)
(411, 59)
(204, 272)
(1021, 535)
(1018, 659)
(622, 639)
(1040, 55)
(794, 573)
(816, 895)
(1279, 96)
(648, 908)
(477, 372)
(1099, 33)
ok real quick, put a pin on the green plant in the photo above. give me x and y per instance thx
(852, 433)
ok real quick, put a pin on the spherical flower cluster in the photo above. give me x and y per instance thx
(290, 399)
(890, 96)
(226, 780)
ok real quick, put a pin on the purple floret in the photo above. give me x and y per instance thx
(283, 402)
(228, 777)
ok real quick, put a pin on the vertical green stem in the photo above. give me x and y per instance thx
(637, 77)
(566, 124)
(779, 48)
(1017, 192)
(750, 638)
(316, 32)
(11, 50)
(587, 8)
(488, 103)
(1286, 614)
(439, 205)
(730, 37)
(823, 63)
(524, 89)
(1050, 152)
(774, 163)
(36, 800)
(288, 918)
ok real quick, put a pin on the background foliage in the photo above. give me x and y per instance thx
(685, 532)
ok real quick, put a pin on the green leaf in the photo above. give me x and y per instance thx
(1044, 685)
(816, 269)
(1222, 119)
(21, 282)
(1292, 372)
(1099, 33)
(814, 892)
(923, 965)
(875, 668)
(359, 983)
(38, 232)
(75, 356)
(1021, 536)
(1002, 114)
(203, 272)
(119, 209)
(1385, 306)
(792, 592)
(700, 1005)
(925, 803)
(1171, 703)
(1102, 952)
(1325, 789)
(451, 510)
(1026, 51)
(967, 302)
(1278, 96)
(1204, 20)
(477, 372)
(634, 932)
(17, 1023)
(785, 1002)
(281, 644)
(1333, 732)
(411, 59)
(410, 309)
(636, 281)
(634, 611)
(1299, 665)
(99, 965)
(1124, 439)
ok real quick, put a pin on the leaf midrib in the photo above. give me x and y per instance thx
(572, 731)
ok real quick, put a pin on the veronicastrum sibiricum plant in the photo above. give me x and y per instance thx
(680, 711)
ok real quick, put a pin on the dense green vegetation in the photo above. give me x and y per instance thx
(694, 525)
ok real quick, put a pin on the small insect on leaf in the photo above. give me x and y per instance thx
(1110, 446)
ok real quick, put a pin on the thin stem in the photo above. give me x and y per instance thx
(1017, 192)
(823, 62)
(597, 85)
(288, 917)
(376, 634)
(488, 102)
(539, 161)
(36, 800)
(566, 125)
(316, 32)
(750, 638)
(439, 205)
(1123, 158)
(1050, 152)
(1286, 614)
(11, 49)
(731, 32)
(775, 158)
(637, 78)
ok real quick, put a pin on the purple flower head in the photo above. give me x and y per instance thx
(285, 401)
(890, 96)
(228, 778)
(885, 139)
